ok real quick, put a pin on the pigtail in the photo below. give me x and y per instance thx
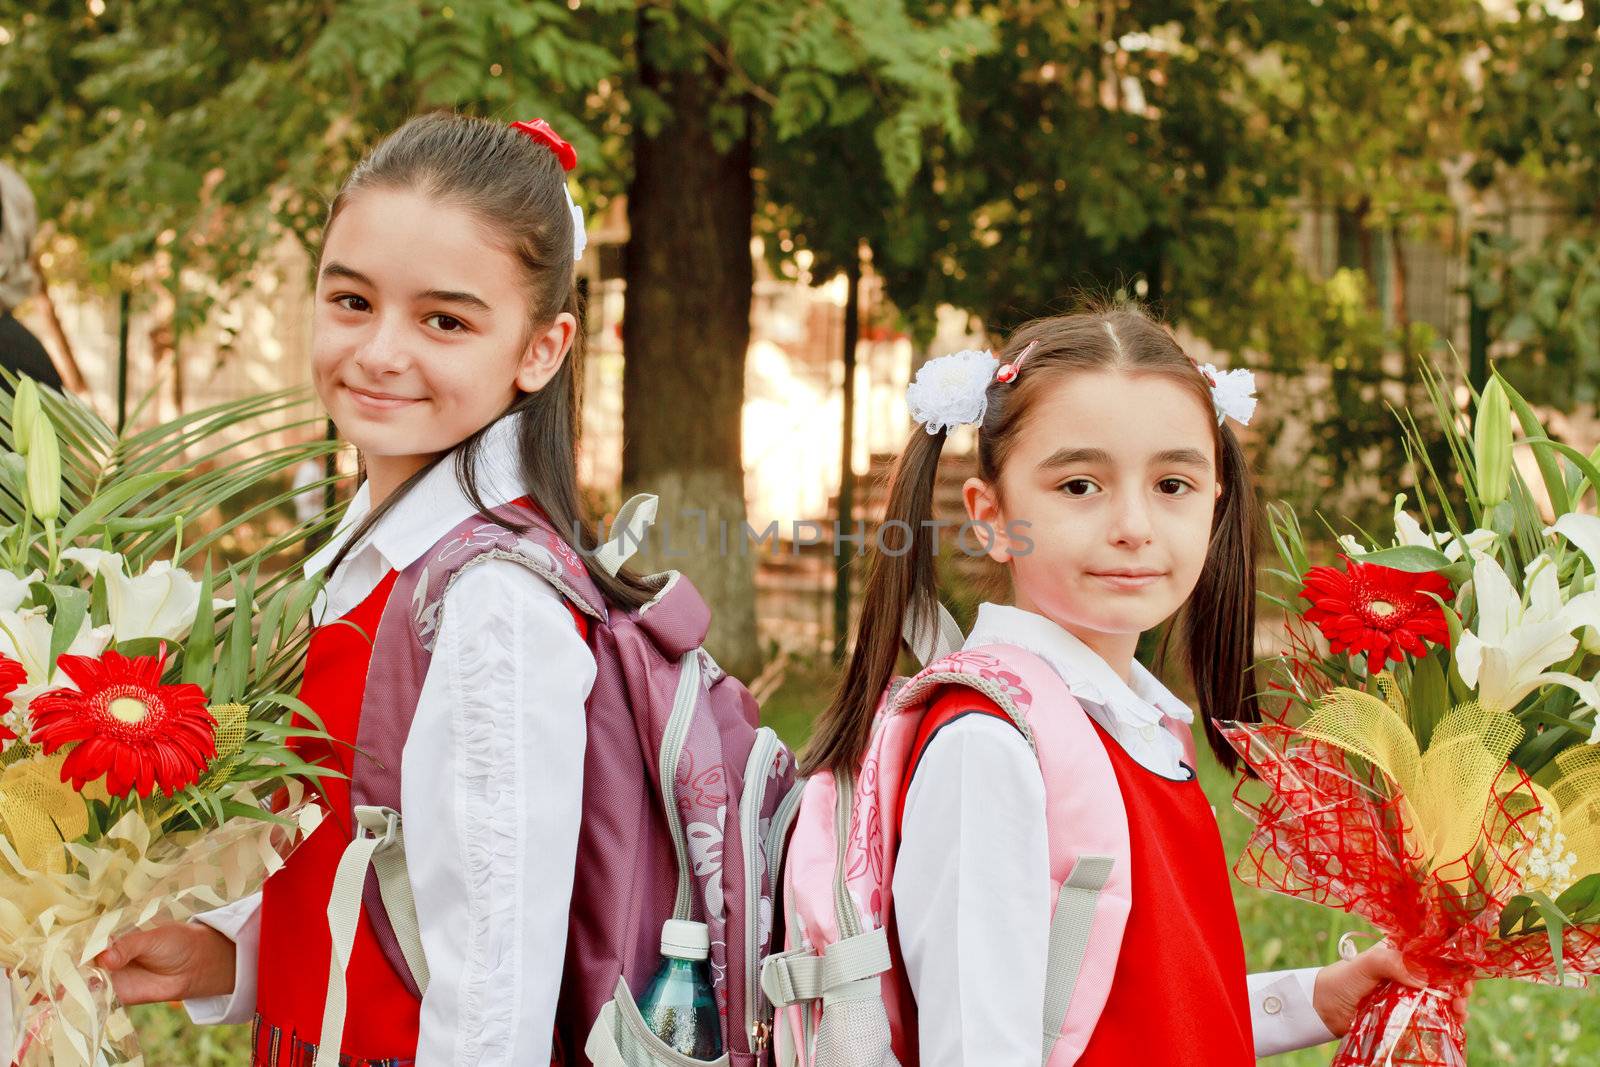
(1219, 623)
(900, 586)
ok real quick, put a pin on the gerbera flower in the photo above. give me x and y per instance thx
(12, 674)
(1379, 611)
(128, 727)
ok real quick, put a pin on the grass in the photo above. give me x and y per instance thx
(1514, 1024)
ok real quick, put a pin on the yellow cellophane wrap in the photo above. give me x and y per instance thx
(1446, 792)
(57, 916)
(1576, 793)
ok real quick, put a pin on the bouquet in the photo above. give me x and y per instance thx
(1430, 758)
(145, 766)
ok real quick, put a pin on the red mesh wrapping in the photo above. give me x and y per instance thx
(1330, 828)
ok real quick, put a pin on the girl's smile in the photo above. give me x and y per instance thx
(377, 402)
(1127, 580)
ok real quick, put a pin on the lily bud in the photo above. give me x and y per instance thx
(1491, 444)
(44, 469)
(25, 411)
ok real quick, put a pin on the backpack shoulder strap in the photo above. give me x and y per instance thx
(1090, 856)
(948, 705)
(401, 655)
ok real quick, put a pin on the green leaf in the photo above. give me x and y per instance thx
(1591, 473)
(1513, 915)
(72, 606)
(1428, 699)
(105, 504)
(899, 142)
(1555, 924)
(138, 524)
(1538, 749)
(1413, 559)
(1580, 902)
(1549, 468)
(267, 628)
(198, 652)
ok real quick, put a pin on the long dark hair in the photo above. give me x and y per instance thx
(1217, 624)
(516, 188)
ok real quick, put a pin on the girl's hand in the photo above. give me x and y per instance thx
(177, 961)
(1341, 986)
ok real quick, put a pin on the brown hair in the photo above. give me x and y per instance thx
(515, 187)
(1217, 623)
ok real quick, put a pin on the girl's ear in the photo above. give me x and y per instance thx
(987, 523)
(545, 353)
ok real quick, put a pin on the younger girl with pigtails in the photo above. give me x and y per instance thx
(1013, 842)
(445, 348)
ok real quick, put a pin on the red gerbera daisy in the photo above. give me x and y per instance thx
(129, 727)
(1377, 610)
(12, 674)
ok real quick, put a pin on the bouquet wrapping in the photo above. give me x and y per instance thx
(1429, 759)
(148, 767)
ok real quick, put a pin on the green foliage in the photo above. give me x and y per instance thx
(166, 137)
(124, 494)
(1536, 128)
(181, 135)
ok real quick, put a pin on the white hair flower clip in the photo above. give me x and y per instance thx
(952, 390)
(1233, 393)
(580, 234)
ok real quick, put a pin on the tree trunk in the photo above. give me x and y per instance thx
(67, 365)
(685, 333)
(1402, 316)
(844, 551)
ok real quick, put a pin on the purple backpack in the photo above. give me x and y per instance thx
(687, 803)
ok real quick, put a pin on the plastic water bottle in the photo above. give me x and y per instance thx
(679, 1004)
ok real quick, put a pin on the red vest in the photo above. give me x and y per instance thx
(295, 946)
(1179, 995)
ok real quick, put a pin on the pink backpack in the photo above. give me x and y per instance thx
(686, 802)
(843, 1002)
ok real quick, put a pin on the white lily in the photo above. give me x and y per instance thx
(1353, 547)
(14, 590)
(1505, 658)
(1583, 533)
(160, 602)
(25, 637)
(1408, 531)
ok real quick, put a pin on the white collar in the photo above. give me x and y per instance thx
(1086, 674)
(434, 506)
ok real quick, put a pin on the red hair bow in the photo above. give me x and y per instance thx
(540, 131)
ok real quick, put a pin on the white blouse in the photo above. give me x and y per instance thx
(973, 933)
(491, 782)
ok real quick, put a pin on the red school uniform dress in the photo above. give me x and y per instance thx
(382, 1024)
(1179, 995)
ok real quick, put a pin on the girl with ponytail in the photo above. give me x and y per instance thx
(446, 348)
(1024, 818)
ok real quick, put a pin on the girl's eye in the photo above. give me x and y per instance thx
(1174, 486)
(445, 323)
(351, 302)
(1079, 487)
